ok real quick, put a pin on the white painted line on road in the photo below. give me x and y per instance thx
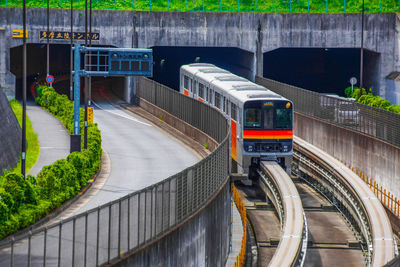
(126, 117)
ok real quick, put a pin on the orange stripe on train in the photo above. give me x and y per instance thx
(260, 134)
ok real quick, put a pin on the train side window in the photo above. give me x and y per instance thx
(186, 82)
(224, 105)
(206, 94)
(194, 87)
(233, 112)
(268, 118)
(217, 102)
(209, 96)
(201, 90)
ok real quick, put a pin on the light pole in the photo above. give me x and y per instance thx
(48, 45)
(86, 81)
(71, 97)
(23, 146)
(362, 48)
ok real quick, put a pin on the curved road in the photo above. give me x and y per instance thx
(140, 153)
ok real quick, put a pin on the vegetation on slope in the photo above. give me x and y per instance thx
(297, 6)
(23, 202)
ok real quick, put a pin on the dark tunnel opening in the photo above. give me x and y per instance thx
(59, 64)
(168, 60)
(322, 70)
(59, 67)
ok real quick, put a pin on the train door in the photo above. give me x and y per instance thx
(234, 135)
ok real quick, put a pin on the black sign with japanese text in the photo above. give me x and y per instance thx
(95, 36)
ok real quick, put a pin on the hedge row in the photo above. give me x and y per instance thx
(23, 202)
(371, 100)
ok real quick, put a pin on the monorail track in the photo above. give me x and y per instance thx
(345, 222)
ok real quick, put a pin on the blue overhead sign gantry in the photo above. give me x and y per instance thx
(104, 61)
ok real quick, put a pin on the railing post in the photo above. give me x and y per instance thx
(44, 246)
(12, 252)
(86, 234)
(109, 234)
(59, 244)
(138, 221)
(119, 228)
(73, 241)
(98, 236)
(129, 224)
(145, 215)
(29, 248)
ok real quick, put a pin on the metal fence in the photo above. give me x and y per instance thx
(376, 122)
(127, 224)
(284, 6)
(187, 109)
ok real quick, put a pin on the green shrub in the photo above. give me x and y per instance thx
(4, 211)
(369, 99)
(23, 202)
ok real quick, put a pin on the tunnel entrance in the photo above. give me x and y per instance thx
(168, 60)
(321, 70)
(36, 64)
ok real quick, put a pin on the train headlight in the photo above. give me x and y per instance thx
(250, 148)
(286, 148)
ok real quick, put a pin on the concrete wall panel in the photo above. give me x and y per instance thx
(377, 159)
(10, 135)
(207, 29)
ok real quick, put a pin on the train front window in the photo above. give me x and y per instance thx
(284, 118)
(268, 118)
(252, 118)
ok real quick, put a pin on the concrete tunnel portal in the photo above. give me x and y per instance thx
(59, 67)
(167, 61)
(323, 70)
(318, 69)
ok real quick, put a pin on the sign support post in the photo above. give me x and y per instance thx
(120, 62)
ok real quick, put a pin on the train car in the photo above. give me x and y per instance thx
(261, 120)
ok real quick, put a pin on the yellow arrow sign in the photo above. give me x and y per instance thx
(19, 34)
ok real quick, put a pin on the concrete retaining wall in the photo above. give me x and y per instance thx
(203, 240)
(253, 32)
(179, 124)
(377, 159)
(10, 135)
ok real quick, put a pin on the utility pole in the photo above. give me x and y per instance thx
(48, 44)
(86, 81)
(362, 48)
(90, 57)
(71, 96)
(23, 146)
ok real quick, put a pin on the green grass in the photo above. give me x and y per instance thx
(295, 6)
(32, 151)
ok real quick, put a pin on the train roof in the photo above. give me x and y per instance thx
(237, 87)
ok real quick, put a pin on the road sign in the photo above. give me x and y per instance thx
(49, 79)
(19, 34)
(90, 115)
(353, 80)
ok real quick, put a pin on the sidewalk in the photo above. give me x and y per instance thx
(53, 137)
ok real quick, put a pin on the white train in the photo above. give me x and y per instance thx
(261, 120)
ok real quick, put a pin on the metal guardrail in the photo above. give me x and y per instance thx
(376, 122)
(351, 196)
(279, 187)
(125, 225)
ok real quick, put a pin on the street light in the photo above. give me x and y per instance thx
(23, 146)
(362, 48)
